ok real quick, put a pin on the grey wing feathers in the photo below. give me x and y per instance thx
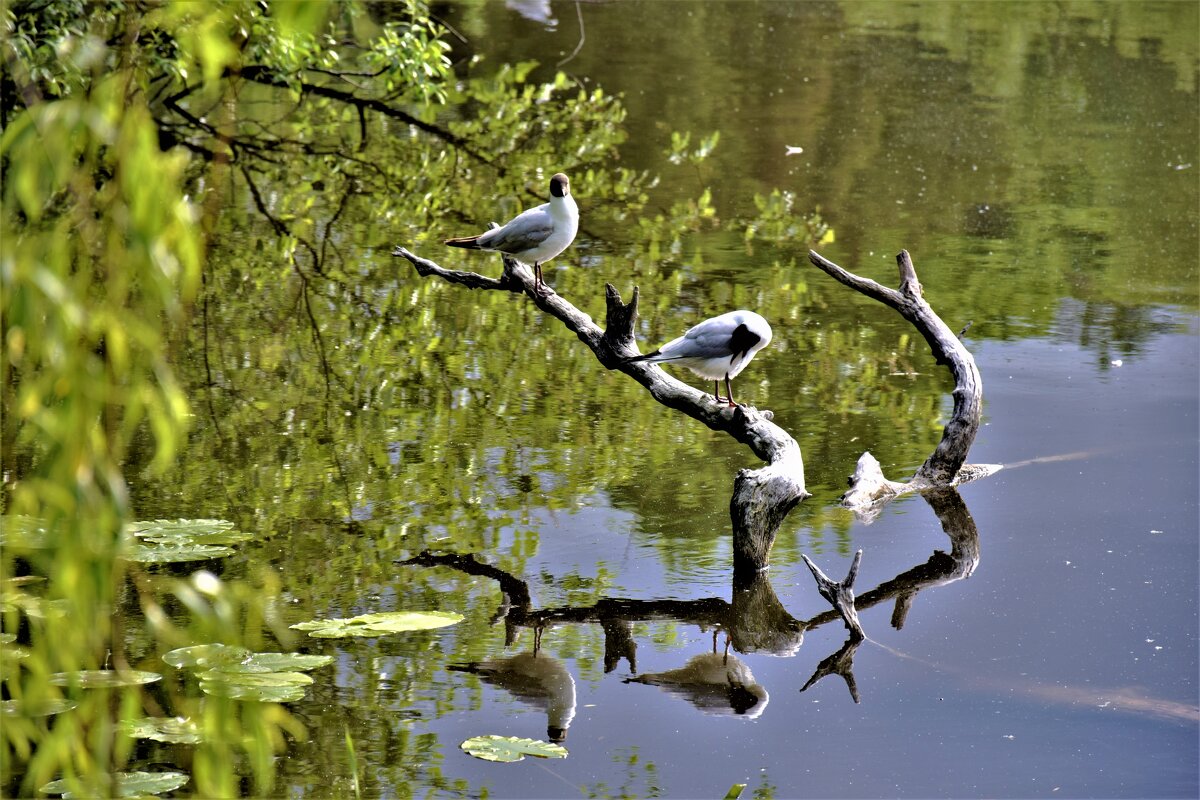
(702, 341)
(528, 229)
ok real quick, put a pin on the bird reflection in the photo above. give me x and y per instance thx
(715, 683)
(537, 679)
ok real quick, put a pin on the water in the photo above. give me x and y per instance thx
(1039, 161)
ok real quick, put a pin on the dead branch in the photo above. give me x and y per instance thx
(945, 466)
(762, 497)
(840, 594)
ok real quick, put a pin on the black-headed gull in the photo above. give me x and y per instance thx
(534, 236)
(718, 348)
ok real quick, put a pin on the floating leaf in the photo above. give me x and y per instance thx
(228, 658)
(187, 531)
(282, 662)
(129, 784)
(510, 748)
(176, 730)
(379, 624)
(735, 791)
(101, 678)
(19, 531)
(173, 553)
(163, 541)
(208, 656)
(45, 708)
(263, 687)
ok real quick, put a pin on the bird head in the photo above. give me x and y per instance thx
(560, 185)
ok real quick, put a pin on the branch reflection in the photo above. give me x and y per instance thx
(754, 622)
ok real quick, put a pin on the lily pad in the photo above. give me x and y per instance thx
(281, 662)
(228, 658)
(379, 624)
(208, 656)
(189, 531)
(176, 730)
(174, 553)
(45, 708)
(510, 748)
(164, 541)
(262, 687)
(129, 784)
(102, 678)
(19, 531)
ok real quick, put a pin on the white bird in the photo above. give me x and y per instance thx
(717, 348)
(536, 235)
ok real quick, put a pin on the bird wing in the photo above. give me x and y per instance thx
(524, 231)
(710, 339)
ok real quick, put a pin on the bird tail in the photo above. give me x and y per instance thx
(469, 242)
(647, 357)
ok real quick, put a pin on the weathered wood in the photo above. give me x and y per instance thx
(840, 594)
(762, 497)
(945, 466)
(869, 489)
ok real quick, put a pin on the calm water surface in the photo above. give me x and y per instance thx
(1040, 162)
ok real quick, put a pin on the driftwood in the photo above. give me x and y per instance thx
(945, 467)
(762, 497)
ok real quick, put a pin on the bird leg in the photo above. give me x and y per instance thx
(729, 391)
(717, 393)
(539, 285)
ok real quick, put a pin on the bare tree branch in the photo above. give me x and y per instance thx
(762, 497)
(945, 466)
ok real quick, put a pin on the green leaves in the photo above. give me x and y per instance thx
(128, 784)
(235, 672)
(104, 678)
(163, 541)
(510, 748)
(173, 730)
(380, 624)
